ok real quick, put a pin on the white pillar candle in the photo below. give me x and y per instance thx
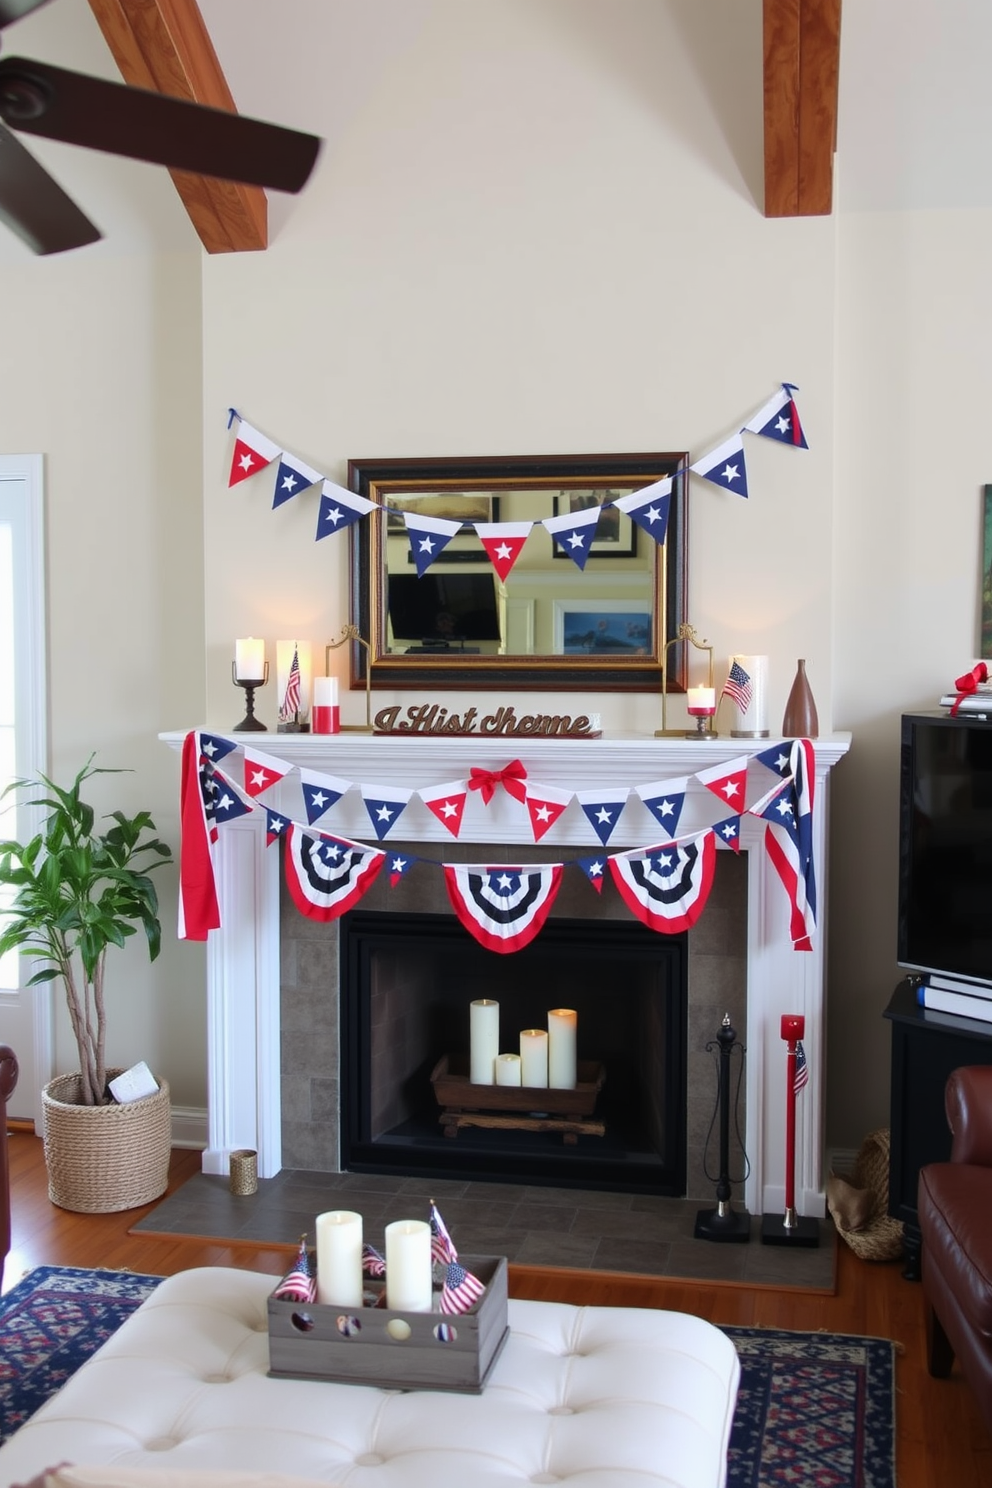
(534, 1058)
(249, 660)
(408, 1266)
(326, 715)
(508, 1069)
(701, 699)
(483, 1035)
(339, 1258)
(562, 1031)
(752, 721)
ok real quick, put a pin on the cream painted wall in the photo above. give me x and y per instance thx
(100, 370)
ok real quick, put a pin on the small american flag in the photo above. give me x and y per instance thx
(461, 1289)
(802, 1068)
(299, 1284)
(373, 1263)
(291, 702)
(738, 687)
(442, 1246)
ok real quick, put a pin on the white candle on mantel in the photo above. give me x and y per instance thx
(339, 1258)
(562, 1032)
(249, 660)
(408, 1266)
(701, 699)
(534, 1058)
(483, 1036)
(508, 1069)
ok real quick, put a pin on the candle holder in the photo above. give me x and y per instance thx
(249, 724)
(685, 632)
(350, 633)
(704, 728)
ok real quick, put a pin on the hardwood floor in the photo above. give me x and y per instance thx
(941, 1438)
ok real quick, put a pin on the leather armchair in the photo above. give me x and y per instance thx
(955, 1202)
(8, 1079)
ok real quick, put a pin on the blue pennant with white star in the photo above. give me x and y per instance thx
(225, 803)
(779, 419)
(398, 865)
(602, 810)
(574, 532)
(728, 832)
(215, 748)
(664, 799)
(292, 477)
(725, 466)
(428, 536)
(384, 810)
(320, 793)
(650, 507)
(777, 758)
(339, 509)
(594, 868)
(275, 826)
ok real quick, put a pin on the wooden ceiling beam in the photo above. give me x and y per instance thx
(163, 45)
(802, 67)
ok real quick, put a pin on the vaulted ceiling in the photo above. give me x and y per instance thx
(164, 45)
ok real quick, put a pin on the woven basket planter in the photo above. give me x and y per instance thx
(104, 1158)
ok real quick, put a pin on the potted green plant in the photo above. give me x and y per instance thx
(77, 892)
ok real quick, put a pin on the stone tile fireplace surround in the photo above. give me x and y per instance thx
(272, 1005)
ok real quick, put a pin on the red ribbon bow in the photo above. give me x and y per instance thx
(968, 684)
(511, 778)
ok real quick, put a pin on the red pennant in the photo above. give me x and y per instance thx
(545, 807)
(504, 542)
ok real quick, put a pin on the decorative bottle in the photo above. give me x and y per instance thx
(800, 720)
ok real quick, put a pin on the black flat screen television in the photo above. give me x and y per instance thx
(443, 610)
(945, 846)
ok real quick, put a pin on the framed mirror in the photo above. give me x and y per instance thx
(550, 625)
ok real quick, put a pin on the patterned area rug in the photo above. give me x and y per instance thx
(813, 1408)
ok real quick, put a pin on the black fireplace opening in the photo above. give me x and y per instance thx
(406, 985)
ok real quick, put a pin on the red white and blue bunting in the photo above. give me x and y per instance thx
(665, 885)
(574, 532)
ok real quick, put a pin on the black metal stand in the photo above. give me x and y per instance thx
(724, 1223)
(790, 1228)
(250, 724)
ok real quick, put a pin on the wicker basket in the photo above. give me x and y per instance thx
(101, 1159)
(880, 1238)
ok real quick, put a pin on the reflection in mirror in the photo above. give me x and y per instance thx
(548, 624)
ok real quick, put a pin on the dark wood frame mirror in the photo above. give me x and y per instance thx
(541, 482)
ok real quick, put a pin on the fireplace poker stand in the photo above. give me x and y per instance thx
(724, 1222)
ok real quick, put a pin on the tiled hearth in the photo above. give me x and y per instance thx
(249, 1049)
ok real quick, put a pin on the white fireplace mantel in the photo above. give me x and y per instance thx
(243, 956)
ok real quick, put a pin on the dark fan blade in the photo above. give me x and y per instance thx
(35, 206)
(12, 10)
(148, 126)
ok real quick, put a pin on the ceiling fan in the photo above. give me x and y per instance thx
(36, 98)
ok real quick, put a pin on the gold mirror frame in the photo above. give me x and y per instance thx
(381, 480)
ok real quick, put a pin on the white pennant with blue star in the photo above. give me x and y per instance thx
(428, 536)
(725, 466)
(650, 507)
(602, 809)
(339, 509)
(385, 806)
(292, 477)
(574, 533)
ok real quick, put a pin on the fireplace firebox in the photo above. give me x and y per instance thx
(407, 981)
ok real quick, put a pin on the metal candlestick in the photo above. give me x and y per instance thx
(723, 1222)
(350, 633)
(249, 724)
(685, 632)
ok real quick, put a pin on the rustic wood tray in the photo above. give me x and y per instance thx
(454, 1090)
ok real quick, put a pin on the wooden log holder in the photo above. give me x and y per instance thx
(517, 1107)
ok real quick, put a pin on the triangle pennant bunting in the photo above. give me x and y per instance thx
(666, 887)
(545, 804)
(292, 477)
(384, 807)
(428, 536)
(650, 507)
(252, 452)
(339, 509)
(779, 419)
(224, 803)
(320, 793)
(262, 771)
(594, 868)
(727, 780)
(504, 542)
(276, 826)
(503, 908)
(574, 533)
(216, 748)
(399, 866)
(728, 832)
(725, 466)
(665, 799)
(602, 810)
(447, 803)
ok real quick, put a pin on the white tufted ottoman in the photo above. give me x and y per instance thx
(608, 1397)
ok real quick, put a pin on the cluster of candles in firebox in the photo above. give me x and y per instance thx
(547, 1057)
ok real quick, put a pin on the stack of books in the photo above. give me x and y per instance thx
(979, 701)
(942, 994)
